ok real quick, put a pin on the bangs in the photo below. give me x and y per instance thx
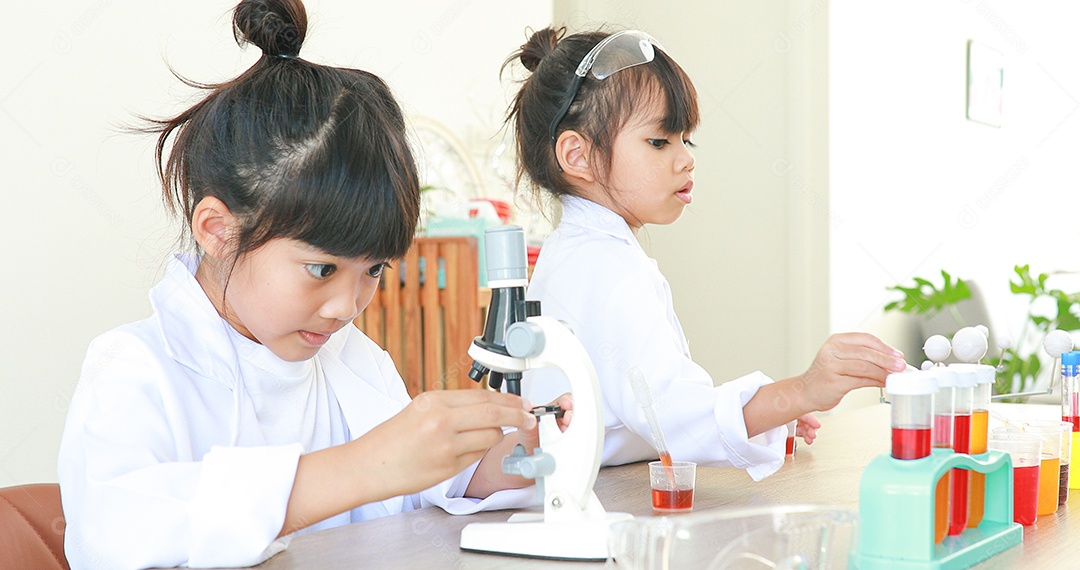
(660, 78)
(349, 188)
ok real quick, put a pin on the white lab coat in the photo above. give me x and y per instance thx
(165, 462)
(593, 274)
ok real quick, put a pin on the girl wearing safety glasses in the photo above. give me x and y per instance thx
(604, 124)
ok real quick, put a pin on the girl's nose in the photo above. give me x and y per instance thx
(687, 161)
(344, 305)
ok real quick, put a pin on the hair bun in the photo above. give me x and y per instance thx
(540, 44)
(277, 27)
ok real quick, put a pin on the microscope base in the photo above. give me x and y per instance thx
(529, 536)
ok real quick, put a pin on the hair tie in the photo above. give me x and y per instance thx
(286, 55)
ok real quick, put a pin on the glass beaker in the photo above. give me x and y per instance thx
(781, 536)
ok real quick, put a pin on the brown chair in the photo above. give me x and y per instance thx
(426, 312)
(32, 527)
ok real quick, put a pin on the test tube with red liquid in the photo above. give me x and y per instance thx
(963, 396)
(942, 437)
(1070, 405)
(980, 412)
(912, 397)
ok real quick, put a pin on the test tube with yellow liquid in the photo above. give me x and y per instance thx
(980, 412)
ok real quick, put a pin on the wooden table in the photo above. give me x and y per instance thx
(826, 472)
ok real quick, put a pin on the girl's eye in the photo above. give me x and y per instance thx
(320, 270)
(659, 143)
(689, 143)
(377, 270)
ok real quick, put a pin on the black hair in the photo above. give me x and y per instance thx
(600, 109)
(294, 149)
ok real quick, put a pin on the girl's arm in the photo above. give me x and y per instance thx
(845, 362)
(432, 439)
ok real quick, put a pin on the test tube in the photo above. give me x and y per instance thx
(980, 415)
(1070, 404)
(942, 438)
(912, 397)
(963, 396)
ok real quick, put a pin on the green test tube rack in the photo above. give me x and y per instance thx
(896, 513)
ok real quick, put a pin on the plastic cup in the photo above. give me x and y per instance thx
(1025, 451)
(1064, 453)
(673, 487)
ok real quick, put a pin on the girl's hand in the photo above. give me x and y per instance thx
(440, 433)
(807, 427)
(530, 438)
(436, 436)
(489, 477)
(846, 362)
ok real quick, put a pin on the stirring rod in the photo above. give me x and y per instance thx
(643, 394)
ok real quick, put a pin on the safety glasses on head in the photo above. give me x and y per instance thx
(612, 55)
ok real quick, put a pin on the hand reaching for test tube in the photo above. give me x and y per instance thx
(845, 362)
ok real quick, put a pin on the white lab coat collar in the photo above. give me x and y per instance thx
(194, 333)
(197, 337)
(583, 213)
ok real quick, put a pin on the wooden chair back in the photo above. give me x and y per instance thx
(427, 311)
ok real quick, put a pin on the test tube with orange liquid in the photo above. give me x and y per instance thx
(942, 437)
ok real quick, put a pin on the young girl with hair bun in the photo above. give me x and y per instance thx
(604, 124)
(248, 406)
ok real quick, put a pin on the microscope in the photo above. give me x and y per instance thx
(573, 525)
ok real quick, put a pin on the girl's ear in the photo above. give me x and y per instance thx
(572, 150)
(212, 226)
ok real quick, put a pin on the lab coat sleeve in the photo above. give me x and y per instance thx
(449, 496)
(134, 496)
(701, 422)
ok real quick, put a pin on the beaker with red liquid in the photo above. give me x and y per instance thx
(672, 486)
(1024, 449)
(1063, 431)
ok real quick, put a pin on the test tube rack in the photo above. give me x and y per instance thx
(896, 513)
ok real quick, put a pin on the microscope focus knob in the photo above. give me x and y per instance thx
(524, 340)
(537, 465)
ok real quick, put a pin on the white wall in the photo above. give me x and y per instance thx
(915, 187)
(84, 234)
(747, 261)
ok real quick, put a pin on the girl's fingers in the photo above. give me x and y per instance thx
(476, 441)
(484, 416)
